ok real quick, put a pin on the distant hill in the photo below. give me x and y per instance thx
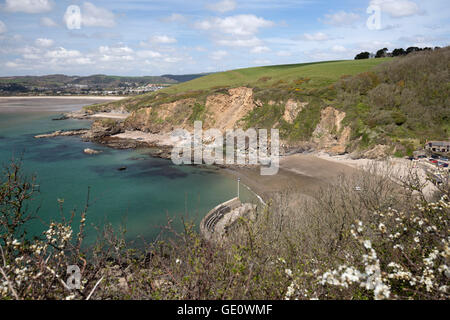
(98, 81)
(185, 77)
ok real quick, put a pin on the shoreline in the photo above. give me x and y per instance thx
(47, 104)
(302, 173)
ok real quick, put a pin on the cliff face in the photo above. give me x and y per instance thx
(225, 111)
(221, 111)
(292, 109)
(163, 118)
(330, 135)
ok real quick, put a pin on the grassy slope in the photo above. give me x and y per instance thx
(320, 73)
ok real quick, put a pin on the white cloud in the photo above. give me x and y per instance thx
(373, 46)
(93, 16)
(239, 25)
(115, 50)
(118, 53)
(260, 49)
(47, 22)
(284, 53)
(338, 49)
(419, 40)
(397, 8)
(175, 17)
(235, 31)
(162, 39)
(2, 27)
(219, 55)
(222, 6)
(148, 54)
(62, 53)
(11, 64)
(390, 27)
(318, 36)
(341, 18)
(317, 55)
(17, 37)
(82, 61)
(28, 50)
(108, 58)
(31, 56)
(55, 59)
(261, 62)
(247, 42)
(43, 42)
(30, 53)
(172, 60)
(28, 6)
(105, 59)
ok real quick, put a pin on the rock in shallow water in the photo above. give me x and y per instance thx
(62, 133)
(61, 117)
(91, 151)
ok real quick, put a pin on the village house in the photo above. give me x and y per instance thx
(438, 146)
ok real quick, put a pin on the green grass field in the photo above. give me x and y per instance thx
(276, 78)
(320, 73)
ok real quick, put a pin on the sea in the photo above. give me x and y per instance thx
(139, 201)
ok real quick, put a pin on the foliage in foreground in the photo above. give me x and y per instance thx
(363, 237)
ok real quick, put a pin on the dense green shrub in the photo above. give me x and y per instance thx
(405, 97)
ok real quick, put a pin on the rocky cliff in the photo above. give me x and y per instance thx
(223, 110)
(330, 135)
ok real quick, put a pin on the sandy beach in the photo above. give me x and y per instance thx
(300, 172)
(306, 173)
(49, 103)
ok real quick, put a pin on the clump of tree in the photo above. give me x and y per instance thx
(383, 53)
(362, 55)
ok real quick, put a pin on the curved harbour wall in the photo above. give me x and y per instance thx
(216, 223)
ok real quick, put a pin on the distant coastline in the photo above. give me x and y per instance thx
(55, 104)
(66, 97)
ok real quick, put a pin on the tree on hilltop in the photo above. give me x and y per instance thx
(362, 55)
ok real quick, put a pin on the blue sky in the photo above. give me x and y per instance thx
(154, 37)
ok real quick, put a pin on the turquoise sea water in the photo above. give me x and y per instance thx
(143, 196)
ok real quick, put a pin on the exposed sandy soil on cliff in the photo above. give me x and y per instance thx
(110, 115)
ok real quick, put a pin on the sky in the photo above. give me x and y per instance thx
(155, 37)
